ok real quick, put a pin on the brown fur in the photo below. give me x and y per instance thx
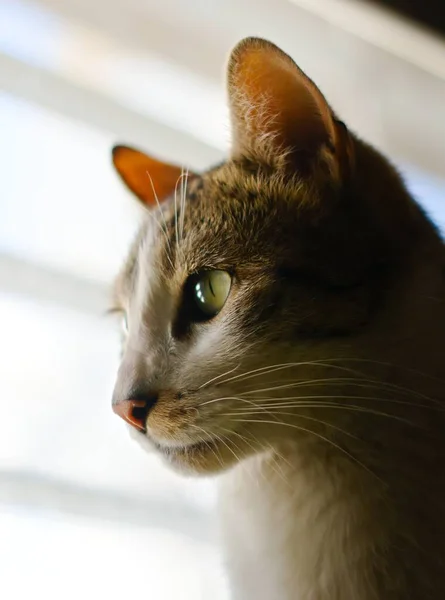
(337, 303)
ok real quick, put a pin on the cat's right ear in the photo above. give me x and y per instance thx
(279, 116)
(149, 179)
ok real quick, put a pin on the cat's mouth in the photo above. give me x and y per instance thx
(203, 456)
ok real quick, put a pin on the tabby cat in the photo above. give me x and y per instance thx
(285, 328)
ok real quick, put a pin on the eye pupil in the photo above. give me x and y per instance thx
(210, 286)
(203, 297)
(211, 290)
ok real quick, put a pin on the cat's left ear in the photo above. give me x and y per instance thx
(278, 114)
(148, 178)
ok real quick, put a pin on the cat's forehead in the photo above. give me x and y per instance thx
(232, 217)
(232, 206)
(218, 221)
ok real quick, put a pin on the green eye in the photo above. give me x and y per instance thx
(211, 289)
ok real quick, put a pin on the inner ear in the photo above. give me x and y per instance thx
(276, 110)
(151, 180)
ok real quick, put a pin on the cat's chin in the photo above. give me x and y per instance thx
(203, 458)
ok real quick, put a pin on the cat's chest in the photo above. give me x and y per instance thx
(281, 530)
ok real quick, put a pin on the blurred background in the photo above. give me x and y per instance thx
(83, 512)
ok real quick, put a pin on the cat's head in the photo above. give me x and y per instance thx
(245, 281)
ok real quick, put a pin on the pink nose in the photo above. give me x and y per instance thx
(135, 411)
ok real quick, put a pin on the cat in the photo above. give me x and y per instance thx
(284, 327)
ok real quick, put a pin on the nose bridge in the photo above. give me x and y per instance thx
(135, 393)
(128, 376)
(153, 304)
(145, 361)
(134, 375)
(143, 367)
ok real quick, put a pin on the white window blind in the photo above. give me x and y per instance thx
(83, 511)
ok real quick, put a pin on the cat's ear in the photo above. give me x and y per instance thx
(149, 179)
(278, 112)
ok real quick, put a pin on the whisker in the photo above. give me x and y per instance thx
(273, 450)
(223, 398)
(152, 216)
(334, 406)
(248, 470)
(184, 198)
(181, 203)
(266, 370)
(207, 443)
(370, 383)
(387, 364)
(316, 434)
(275, 465)
(157, 200)
(328, 363)
(253, 372)
(221, 439)
(359, 382)
(307, 417)
(217, 377)
(176, 210)
(242, 437)
(165, 228)
(276, 468)
(250, 402)
(280, 401)
(337, 381)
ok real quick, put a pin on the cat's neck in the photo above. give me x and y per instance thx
(303, 522)
(314, 520)
(287, 527)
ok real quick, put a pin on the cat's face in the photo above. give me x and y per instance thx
(244, 282)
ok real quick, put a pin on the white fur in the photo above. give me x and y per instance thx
(286, 529)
